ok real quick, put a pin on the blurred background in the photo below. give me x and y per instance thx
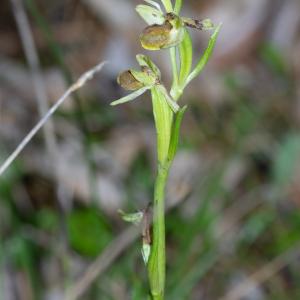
(233, 220)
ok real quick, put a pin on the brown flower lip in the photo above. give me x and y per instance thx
(128, 82)
(156, 36)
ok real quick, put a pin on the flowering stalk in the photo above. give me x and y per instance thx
(165, 30)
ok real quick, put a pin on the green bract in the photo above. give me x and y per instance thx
(150, 14)
(146, 250)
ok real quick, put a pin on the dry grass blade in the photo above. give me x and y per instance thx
(77, 85)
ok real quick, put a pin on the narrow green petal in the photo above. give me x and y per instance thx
(130, 97)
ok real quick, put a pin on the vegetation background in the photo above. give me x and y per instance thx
(233, 224)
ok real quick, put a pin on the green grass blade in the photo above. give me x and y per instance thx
(204, 59)
(186, 58)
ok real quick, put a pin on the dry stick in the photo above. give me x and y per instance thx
(77, 85)
(263, 274)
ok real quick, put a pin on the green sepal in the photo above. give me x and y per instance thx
(145, 61)
(130, 97)
(175, 133)
(150, 14)
(144, 77)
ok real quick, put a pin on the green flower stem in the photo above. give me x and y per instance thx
(163, 117)
(157, 261)
(174, 67)
(176, 92)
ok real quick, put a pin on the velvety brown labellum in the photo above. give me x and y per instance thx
(128, 82)
(156, 37)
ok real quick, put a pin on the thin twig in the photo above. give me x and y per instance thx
(263, 274)
(77, 85)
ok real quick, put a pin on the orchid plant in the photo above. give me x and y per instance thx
(166, 29)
